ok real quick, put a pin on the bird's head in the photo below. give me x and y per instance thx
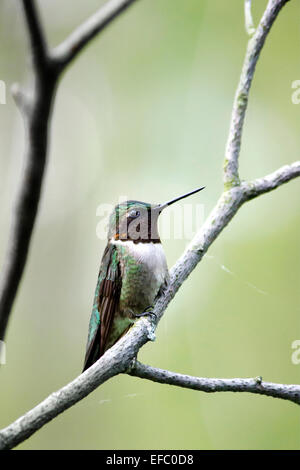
(137, 221)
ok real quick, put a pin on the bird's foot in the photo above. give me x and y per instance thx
(148, 311)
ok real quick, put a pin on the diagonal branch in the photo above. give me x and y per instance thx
(256, 385)
(116, 360)
(255, 45)
(277, 178)
(73, 45)
(36, 106)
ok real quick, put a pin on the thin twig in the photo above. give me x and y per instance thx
(255, 45)
(73, 45)
(255, 385)
(267, 183)
(249, 26)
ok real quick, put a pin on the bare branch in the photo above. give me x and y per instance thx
(248, 18)
(36, 107)
(21, 98)
(225, 209)
(73, 45)
(116, 360)
(36, 35)
(255, 45)
(263, 185)
(36, 113)
(256, 385)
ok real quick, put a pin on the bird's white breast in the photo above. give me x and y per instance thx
(150, 254)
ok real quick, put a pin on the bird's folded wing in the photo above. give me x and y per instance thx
(106, 302)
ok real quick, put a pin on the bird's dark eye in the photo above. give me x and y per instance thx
(137, 213)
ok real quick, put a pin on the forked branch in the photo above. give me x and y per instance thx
(36, 105)
(255, 385)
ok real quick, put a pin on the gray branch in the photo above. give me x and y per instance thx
(225, 209)
(121, 357)
(255, 385)
(36, 105)
(68, 50)
(255, 45)
(116, 360)
(248, 18)
(272, 181)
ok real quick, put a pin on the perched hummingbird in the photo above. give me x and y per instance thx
(132, 274)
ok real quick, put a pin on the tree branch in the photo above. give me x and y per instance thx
(73, 45)
(116, 360)
(36, 35)
(248, 18)
(255, 45)
(36, 106)
(36, 110)
(263, 185)
(256, 385)
(121, 357)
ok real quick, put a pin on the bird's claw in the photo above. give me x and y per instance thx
(147, 312)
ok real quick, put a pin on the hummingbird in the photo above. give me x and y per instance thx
(133, 273)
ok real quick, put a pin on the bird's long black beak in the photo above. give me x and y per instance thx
(161, 207)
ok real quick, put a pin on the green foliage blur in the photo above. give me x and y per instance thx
(144, 112)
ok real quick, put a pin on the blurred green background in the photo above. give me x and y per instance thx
(144, 112)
